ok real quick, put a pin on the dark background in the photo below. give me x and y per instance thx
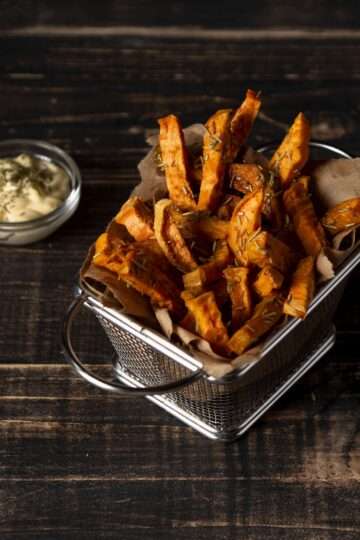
(93, 77)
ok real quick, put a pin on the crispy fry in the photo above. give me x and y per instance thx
(160, 259)
(300, 208)
(102, 250)
(267, 313)
(197, 280)
(118, 235)
(268, 279)
(138, 267)
(342, 216)
(212, 227)
(226, 133)
(137, 218)
(226, 209)
(175, 161)
(195, 224)
(188, 322)
(208, 321)
(265, 249)
(238, 286)
(242, 122)
(148, 248)
(293, 152)
(272, 207)
(246, 177)
(111, 246)
(170, 238)
(221, 296)
(187, 295)
(302, 288)
(219, 288)
(244, 223)
(216, 142)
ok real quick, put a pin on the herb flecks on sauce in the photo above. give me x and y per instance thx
(30, 187)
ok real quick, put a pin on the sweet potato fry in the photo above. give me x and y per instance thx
(199, 224)
(215, 147)
(226, 209)
(159, 259)
(301, 289)
(208, 321)
(301, 209)
(149, 249)
(188, 322)
(267, 313)
(137, 218)
(246, 177)
(242, 122)
(212, 227)
(244, 223)
(102, 250)
(268, 280)
(219, 289)
(188, 295)
(265, 249)
(273, 207)
(238, 287)
(170, 238)
(197, 280)
(175, 162)
(113, 245)
(293, 152)
(139, 269)
(342, 216)
(118, 235)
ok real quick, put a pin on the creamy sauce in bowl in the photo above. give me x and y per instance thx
(30, 187)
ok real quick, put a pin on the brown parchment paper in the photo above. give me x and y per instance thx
(333, 182)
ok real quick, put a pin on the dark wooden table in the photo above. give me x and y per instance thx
(75, 462)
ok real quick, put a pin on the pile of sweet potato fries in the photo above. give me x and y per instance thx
(233, 248)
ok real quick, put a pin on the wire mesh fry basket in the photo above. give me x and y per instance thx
(148, 364)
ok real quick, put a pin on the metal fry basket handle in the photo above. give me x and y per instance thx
(115, 387)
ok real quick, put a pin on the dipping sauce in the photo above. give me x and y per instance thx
(30, 187)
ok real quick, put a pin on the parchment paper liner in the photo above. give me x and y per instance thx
(334, 181)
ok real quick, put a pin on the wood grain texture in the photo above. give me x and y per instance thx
(75, 462)
(200, 13)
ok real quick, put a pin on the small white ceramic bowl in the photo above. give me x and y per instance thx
(27, 232)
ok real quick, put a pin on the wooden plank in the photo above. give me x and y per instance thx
(188, 33)
(204, 14)
(178, 504)
(43, 405)
(195, 531)
(62, 104)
